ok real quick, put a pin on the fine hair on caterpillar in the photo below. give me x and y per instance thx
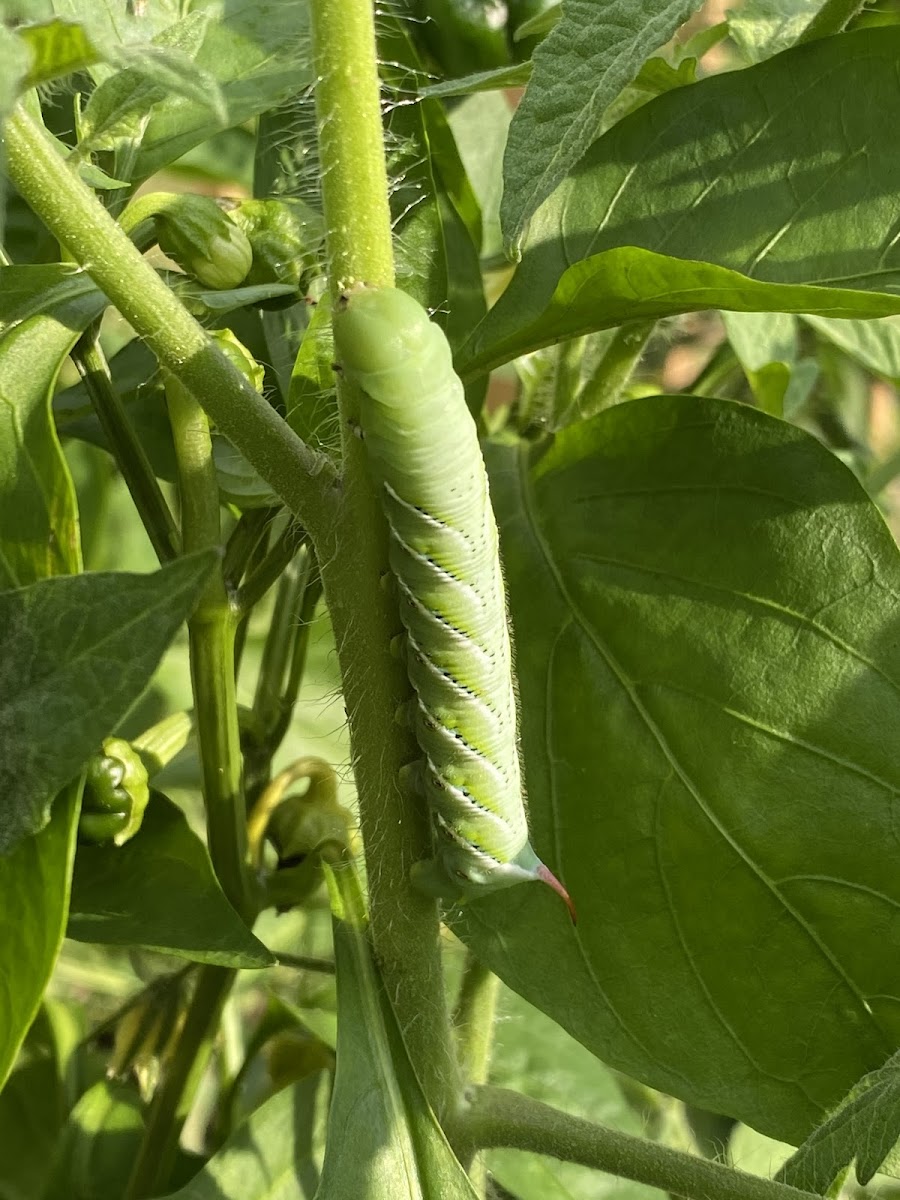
(423, 449)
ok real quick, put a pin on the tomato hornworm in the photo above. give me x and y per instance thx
(423, 447)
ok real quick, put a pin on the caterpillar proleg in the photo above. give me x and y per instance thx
(444, 554)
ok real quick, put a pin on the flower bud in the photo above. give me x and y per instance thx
(203, 239)
(286, 236)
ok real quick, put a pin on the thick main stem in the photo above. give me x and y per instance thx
(404, 925)
(498, 1117)
(78, 220)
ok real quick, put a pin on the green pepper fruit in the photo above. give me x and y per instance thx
(203, 239)
(116, 792)
(286, 237)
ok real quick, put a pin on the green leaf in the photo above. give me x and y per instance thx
(270, 1155)
(864, 1130)
(77, 651)
(480, 126)
(259, 57)
(34, 895)
(630, 284)
(98, 1145)
(437, 261)
(515, 75)
(384, 1142)
(533, 1055)
(33, 1108)
(38, 524)
(704, 607)
(38, 538)
(775, 171)
(159, 891)
(15, 58)
(593, 51)
(119, 107)
(875, 345)
(761, 28)
(766, 347)
(312, 402)
(56, 48)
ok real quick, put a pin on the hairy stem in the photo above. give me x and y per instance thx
(78, 220)
(351, 145)
(497, 1117)
(473, 1019)
(404, 925)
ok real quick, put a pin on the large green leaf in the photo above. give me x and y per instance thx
(77, 651)
(269, 1156)
(592, 52)
(778, 171)
(159, 891)
(384, 1142)
(38, 538)
(34, 900)
(704, 604)
(632, 284)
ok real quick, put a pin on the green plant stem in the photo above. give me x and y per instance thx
(615, 368)
(126, 448)
(832, 17)
(242, 542)
(723, 367)
(159, 744)
(311, 596)
(279, 639)
(78, 220)
(270, 569)
(351, 144)
(404, 924)
(473, 1019)
(303, 962)
(497, 1117)
(883, 473)
(211, 632)
(181, 1073)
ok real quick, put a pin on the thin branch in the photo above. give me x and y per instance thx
(497, 1117)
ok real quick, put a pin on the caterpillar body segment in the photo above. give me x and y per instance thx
(444, 554)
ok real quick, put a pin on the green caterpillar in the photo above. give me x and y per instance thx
(444, 553)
